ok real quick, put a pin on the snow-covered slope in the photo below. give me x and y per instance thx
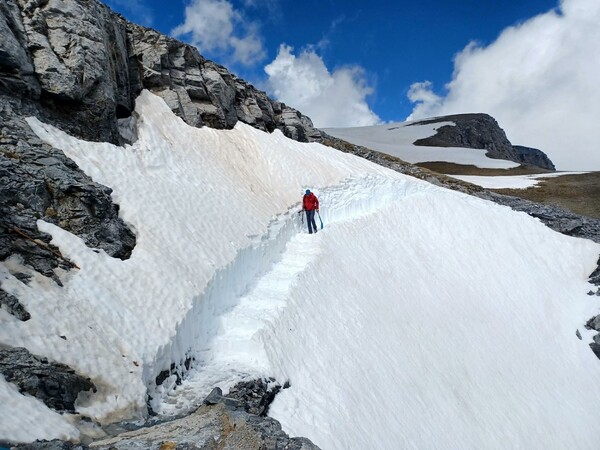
(397, 139)
(417, 318)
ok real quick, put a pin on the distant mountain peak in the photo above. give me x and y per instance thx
(480, 130)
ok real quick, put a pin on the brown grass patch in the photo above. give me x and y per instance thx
(449, 168)
(577, 193)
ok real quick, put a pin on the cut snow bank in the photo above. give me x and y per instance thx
(397, 139)
(211, 210)
(417, 318)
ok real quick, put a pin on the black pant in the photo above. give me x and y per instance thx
(310, 220)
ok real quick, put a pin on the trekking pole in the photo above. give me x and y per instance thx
(321, 220)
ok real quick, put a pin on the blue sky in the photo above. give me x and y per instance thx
(396, 43)
(355, 63)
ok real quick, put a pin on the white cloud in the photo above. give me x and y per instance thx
(335, 99)
(215, 26)
(539, 79)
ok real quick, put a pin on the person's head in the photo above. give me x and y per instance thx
(307, 191)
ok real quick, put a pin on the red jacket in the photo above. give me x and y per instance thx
(310, 202)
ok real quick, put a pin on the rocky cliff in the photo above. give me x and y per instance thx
(482, 131)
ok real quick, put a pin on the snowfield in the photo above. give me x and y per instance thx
(397, 139)
(417, 318)
(511, 181)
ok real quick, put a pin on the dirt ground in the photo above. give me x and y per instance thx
(578, 193)
(449, 168)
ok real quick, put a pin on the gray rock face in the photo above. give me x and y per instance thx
(222, 423)
(13, 306)
(64, 62)
(202, 92)
(256, 396)
(86, 65)
(40, 182)
(70, 57)
(595, 276)
(55, 384)
(482, 131)
(533, 157)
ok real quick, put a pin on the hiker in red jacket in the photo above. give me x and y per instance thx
(310, 204)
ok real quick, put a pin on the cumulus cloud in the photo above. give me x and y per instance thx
(216, 27)
(539, 79)
(330, 99)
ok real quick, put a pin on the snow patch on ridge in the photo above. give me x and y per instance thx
(510, 182)
(397, 139)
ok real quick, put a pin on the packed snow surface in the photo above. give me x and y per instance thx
(510, 182)
(416, 318)
(397, 139)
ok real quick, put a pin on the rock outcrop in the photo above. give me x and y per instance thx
(533, 157)
(85, 65)
(482, 131)
(202, 92)
(223, 422)
(55, 384)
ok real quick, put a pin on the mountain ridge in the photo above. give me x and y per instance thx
(480, 130)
